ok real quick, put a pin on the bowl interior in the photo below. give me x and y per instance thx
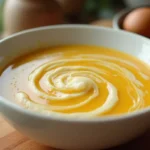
(30, 40)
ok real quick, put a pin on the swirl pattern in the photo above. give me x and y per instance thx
(81, 77)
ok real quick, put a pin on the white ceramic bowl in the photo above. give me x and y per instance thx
(72, 133)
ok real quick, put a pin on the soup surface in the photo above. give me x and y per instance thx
(77, 81)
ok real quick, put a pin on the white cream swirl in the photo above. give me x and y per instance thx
(67, 81)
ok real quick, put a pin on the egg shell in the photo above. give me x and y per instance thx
(138, 21)
(25, 14)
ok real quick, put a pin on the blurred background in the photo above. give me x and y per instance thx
(17, 15)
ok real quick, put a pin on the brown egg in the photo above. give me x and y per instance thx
(138, 21)
(25, 14)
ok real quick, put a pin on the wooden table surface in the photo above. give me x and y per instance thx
(10, 139)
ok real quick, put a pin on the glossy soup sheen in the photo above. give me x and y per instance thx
(77, 81)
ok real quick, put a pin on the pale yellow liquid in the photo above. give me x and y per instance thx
(15, 78)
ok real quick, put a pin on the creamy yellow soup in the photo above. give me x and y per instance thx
(77, 81)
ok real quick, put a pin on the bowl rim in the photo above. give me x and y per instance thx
(23, 111)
